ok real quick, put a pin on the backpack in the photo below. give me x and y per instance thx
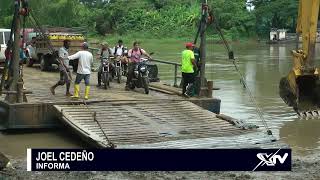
(139, 50)
(116, 49)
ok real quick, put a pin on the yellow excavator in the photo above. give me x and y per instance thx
(301, 88)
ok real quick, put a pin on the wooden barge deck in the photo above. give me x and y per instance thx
(129, 119)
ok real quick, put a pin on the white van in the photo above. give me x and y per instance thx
(4, 37)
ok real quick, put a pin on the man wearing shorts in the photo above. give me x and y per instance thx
(84, 70)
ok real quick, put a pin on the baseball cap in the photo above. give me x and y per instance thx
(85, 45)
(189, 44)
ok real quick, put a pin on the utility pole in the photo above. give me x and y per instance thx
(203, 45)
(16, 93)
(12, 97)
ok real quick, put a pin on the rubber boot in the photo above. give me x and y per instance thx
(76, 91)
(86, 93)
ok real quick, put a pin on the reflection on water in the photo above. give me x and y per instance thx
(263, 66)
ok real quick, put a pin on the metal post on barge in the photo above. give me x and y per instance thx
(13, 98)
(203, 45)
(203, 91)
(16, 94)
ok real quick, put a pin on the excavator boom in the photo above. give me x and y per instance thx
(301, 88)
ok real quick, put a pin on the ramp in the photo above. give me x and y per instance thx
(144, 124)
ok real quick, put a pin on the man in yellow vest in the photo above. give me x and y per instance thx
(188, 64)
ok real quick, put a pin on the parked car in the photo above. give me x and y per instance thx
(4, 37)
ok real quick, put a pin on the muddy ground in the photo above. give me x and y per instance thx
(307, 167)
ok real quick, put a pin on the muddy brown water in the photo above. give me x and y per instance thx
(262, 65)
(15, 144)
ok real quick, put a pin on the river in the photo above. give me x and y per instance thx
(262, 65)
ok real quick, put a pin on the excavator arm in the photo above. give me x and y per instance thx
(301, 88)
(307, 27)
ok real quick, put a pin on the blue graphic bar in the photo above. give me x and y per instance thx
(159, 159)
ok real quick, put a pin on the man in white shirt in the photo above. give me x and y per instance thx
(65, 76)
(120, 52)
(84, 70)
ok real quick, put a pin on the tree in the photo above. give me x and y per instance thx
(159, 17)
(6, 13)
(233, 15)
(275, 14)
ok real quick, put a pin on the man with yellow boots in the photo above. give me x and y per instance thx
(84, 70)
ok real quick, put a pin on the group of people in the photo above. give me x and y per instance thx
(85, 60)
(190, 65)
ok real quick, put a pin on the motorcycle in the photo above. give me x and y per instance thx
(118, 69)
(105, 74)
(140, 77)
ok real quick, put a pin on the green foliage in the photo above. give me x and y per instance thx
(232, 15)
(60, 12)
(6, 9)
(275, 14)
(160, 18)
(169, 21)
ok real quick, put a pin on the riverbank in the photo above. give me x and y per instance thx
(149, 40)
(167, 48)
(303, 168)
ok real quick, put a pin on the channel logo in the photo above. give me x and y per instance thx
(271, 159)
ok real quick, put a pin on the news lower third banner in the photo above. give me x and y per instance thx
(159, 160)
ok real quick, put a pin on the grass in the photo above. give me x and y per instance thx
(164, 48)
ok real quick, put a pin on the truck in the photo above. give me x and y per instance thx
(41, 53)
(4, 37)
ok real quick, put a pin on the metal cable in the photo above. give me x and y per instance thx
(243, 81)
(94, 113)
(50, 47)
(253, 100)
